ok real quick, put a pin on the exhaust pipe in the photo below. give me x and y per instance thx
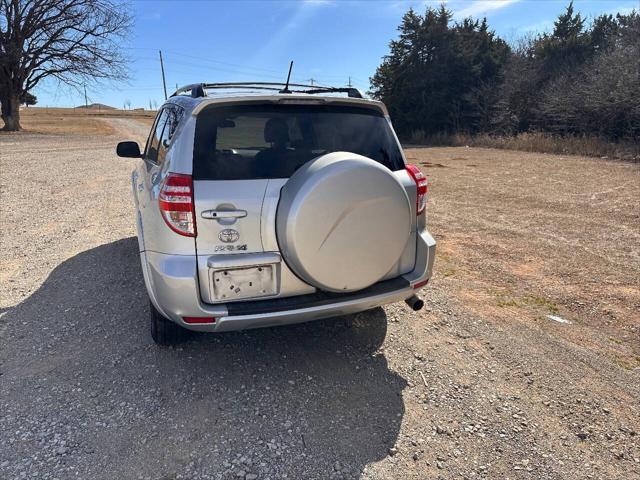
(414, 303)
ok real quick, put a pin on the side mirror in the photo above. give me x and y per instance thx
(128, 149)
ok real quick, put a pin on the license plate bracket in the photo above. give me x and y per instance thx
(247, 282)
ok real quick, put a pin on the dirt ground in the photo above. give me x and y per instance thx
(480, 384)
(525, 235)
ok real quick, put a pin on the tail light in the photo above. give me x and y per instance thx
(422, 187)
(176, 204)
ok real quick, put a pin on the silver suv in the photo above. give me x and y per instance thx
(269, 206)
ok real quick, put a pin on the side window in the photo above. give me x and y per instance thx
(151, 133)
(174, 114)
(154, 139)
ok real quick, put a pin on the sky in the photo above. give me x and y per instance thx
(329, 41)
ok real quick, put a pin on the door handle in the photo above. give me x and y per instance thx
(216, 214)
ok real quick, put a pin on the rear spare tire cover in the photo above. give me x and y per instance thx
(342, 222)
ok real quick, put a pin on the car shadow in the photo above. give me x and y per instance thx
(77, 360)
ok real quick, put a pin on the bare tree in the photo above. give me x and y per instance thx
(73, 41)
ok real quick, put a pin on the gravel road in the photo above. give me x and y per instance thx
(451, 392)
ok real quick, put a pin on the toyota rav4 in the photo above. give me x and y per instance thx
(269, 206)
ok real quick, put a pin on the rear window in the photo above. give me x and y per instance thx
(272, 141)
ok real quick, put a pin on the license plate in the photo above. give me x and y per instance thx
(232, 284)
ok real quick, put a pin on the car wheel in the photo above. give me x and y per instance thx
(163, 331)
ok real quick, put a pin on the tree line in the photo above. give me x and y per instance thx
(446, 77)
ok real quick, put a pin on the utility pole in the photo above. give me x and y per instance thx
(164, 82)
(349, 84)
(311, 80)
(86, 103)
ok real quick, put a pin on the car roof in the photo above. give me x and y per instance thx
(194, 105)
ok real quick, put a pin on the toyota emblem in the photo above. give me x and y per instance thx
(229, 235)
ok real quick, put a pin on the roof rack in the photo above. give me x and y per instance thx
(197, 90)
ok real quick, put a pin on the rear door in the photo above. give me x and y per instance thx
(244, 154)
(228, 195)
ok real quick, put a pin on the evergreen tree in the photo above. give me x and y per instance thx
(436, 73)
(445, 77)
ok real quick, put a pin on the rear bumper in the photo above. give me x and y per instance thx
(172, 284)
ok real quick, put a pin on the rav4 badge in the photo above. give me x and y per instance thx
(229, 235)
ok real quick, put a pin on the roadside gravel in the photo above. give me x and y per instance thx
(451, 392)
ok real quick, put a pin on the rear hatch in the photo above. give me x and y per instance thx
(243, 156)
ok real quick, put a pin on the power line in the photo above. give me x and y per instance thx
(200, 68)
(239, 69)
(211, 60)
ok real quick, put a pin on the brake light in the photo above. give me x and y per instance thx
(422, 185)
(176, 204)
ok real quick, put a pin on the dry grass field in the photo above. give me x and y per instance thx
(525, 363)
(526, 235)
(76, 121)
(538, 142)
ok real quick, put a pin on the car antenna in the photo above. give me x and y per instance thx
(286, 86)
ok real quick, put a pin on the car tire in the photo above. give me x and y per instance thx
(163, 331)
